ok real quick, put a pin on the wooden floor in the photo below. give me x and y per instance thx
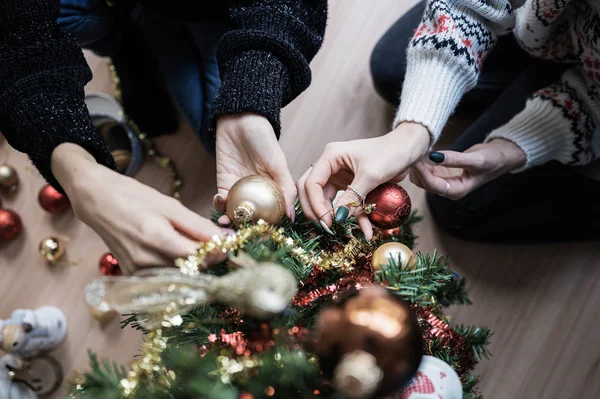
(541, 301)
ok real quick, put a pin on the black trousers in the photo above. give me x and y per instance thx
(549, 203)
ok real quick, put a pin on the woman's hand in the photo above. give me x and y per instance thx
(456, 174)
(363, 164)
(140, 226)
(246, 145)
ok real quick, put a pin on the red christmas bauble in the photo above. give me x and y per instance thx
(109, 266)
(390, 233)
(392, 206)
(10, 225)
(52, 201)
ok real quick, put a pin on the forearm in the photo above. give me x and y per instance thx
(42, 76)
(264, 60)
(557, 124)
(72, 166)
(445, 55)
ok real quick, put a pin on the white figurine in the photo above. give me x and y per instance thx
(434, 380)
(29, 332)
(18, 386)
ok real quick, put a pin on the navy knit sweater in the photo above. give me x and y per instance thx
(263, 62)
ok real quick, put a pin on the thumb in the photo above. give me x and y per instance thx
(454, 159)
(350, 202)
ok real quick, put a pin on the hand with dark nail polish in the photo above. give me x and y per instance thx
(437, 157)
(342, 214)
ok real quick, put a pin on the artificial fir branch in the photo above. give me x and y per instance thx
(418, 284)
(131, 320)
(453, 292)
(205, 367)
(102, 381)
(478, 338)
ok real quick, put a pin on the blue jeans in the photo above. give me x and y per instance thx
(186, 52)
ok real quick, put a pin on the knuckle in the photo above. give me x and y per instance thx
(331, 148)
(480, 160)
(139, 257)
(149, 231)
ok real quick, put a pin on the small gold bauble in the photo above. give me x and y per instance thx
(382, 255)
(103, 313)
(9, 179)
(52, 249)
(253, 198)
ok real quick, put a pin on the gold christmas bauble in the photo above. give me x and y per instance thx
(9, 179)
(382, 255)
(103, 313)
(51, 249)
(253, 198)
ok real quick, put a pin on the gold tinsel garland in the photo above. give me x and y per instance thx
(148, 365)
(344, 259)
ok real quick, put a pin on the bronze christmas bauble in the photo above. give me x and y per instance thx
(369, 344)
(51, 249)
(9, 179)
(10, 225)
(253, 198)
(52, 201)
(392, 206)
(394, 250)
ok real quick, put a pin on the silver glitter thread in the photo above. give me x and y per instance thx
(95, 292)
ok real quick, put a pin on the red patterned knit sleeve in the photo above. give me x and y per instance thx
(445, 55)
(559, 122)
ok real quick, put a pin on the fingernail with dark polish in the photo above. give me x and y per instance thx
(219, 199)
(326, 228)
(437, 157)
(342, 214)
(365, 238)
(317, 226)
(293, 213)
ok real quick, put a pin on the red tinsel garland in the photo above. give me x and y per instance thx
(435, 328)
(312, 290)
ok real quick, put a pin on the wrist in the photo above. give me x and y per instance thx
(413, 137)
(514, 156)
(71, 165)
(247, 123)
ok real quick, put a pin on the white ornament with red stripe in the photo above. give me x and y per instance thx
(434, 380)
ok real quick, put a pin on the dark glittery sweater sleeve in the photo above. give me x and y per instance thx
(264, 60)
(42, 77)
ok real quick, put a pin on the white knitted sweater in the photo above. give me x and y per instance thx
(560, 122)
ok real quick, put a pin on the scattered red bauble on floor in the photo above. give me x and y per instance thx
(109, 266)
(392, 206)
(52, 201)
(10, 225)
